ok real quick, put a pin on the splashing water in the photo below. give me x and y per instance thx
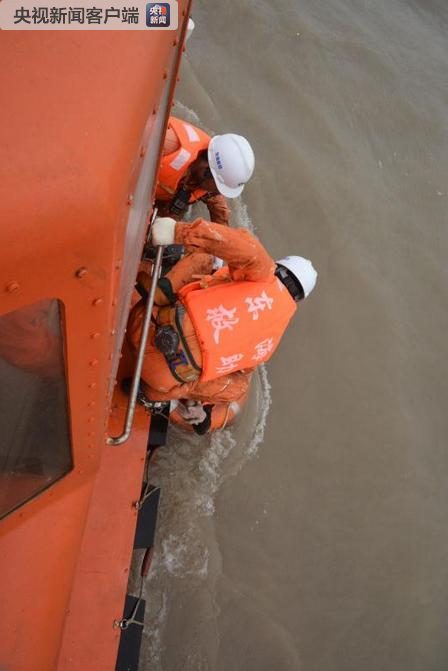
(190, 471)
(186, 113)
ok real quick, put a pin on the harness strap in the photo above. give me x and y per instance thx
(178, 364)
(178, 318)
(182, 365)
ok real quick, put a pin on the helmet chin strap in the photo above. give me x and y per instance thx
(291, 282)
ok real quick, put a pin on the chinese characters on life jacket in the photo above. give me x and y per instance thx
(225, 319)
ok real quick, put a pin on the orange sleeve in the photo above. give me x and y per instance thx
(189, 266)
(218, 209)
(225, 389)
(244, 254)
(180, 275)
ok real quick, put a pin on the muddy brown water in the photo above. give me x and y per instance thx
(314, 536)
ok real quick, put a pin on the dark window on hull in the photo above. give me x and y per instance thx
(34, 428)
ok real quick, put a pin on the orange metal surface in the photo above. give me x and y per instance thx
(21, 485)
(79, 113)
(103, 569)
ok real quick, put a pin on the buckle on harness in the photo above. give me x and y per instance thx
(180, 367)
(167, 340)
(171, 342)
(180, 201)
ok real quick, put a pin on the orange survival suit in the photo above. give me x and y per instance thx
(183, 143)
(228, 322)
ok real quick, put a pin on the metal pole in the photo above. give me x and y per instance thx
(119, 440)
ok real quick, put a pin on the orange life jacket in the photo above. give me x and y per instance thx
(174, 166)
(238, 325)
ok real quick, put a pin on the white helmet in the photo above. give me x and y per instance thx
(231, 162)
(302, 269)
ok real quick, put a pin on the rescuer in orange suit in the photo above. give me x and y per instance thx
(195, 167)
(211, 331)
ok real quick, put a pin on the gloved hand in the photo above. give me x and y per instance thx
(192, 411)
(217, 263)
(163, 231)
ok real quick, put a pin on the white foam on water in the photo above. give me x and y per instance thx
(190, 471)
(186, 113)
(241, 218)
(265, 404)
(153, 633)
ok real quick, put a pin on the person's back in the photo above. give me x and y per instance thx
(220, 325)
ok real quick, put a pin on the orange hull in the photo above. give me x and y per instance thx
(81, 125)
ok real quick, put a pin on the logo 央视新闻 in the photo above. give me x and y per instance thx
(157, 15)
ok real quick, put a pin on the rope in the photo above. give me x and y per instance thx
(127, 621)
(147, 493)
(226, 417)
